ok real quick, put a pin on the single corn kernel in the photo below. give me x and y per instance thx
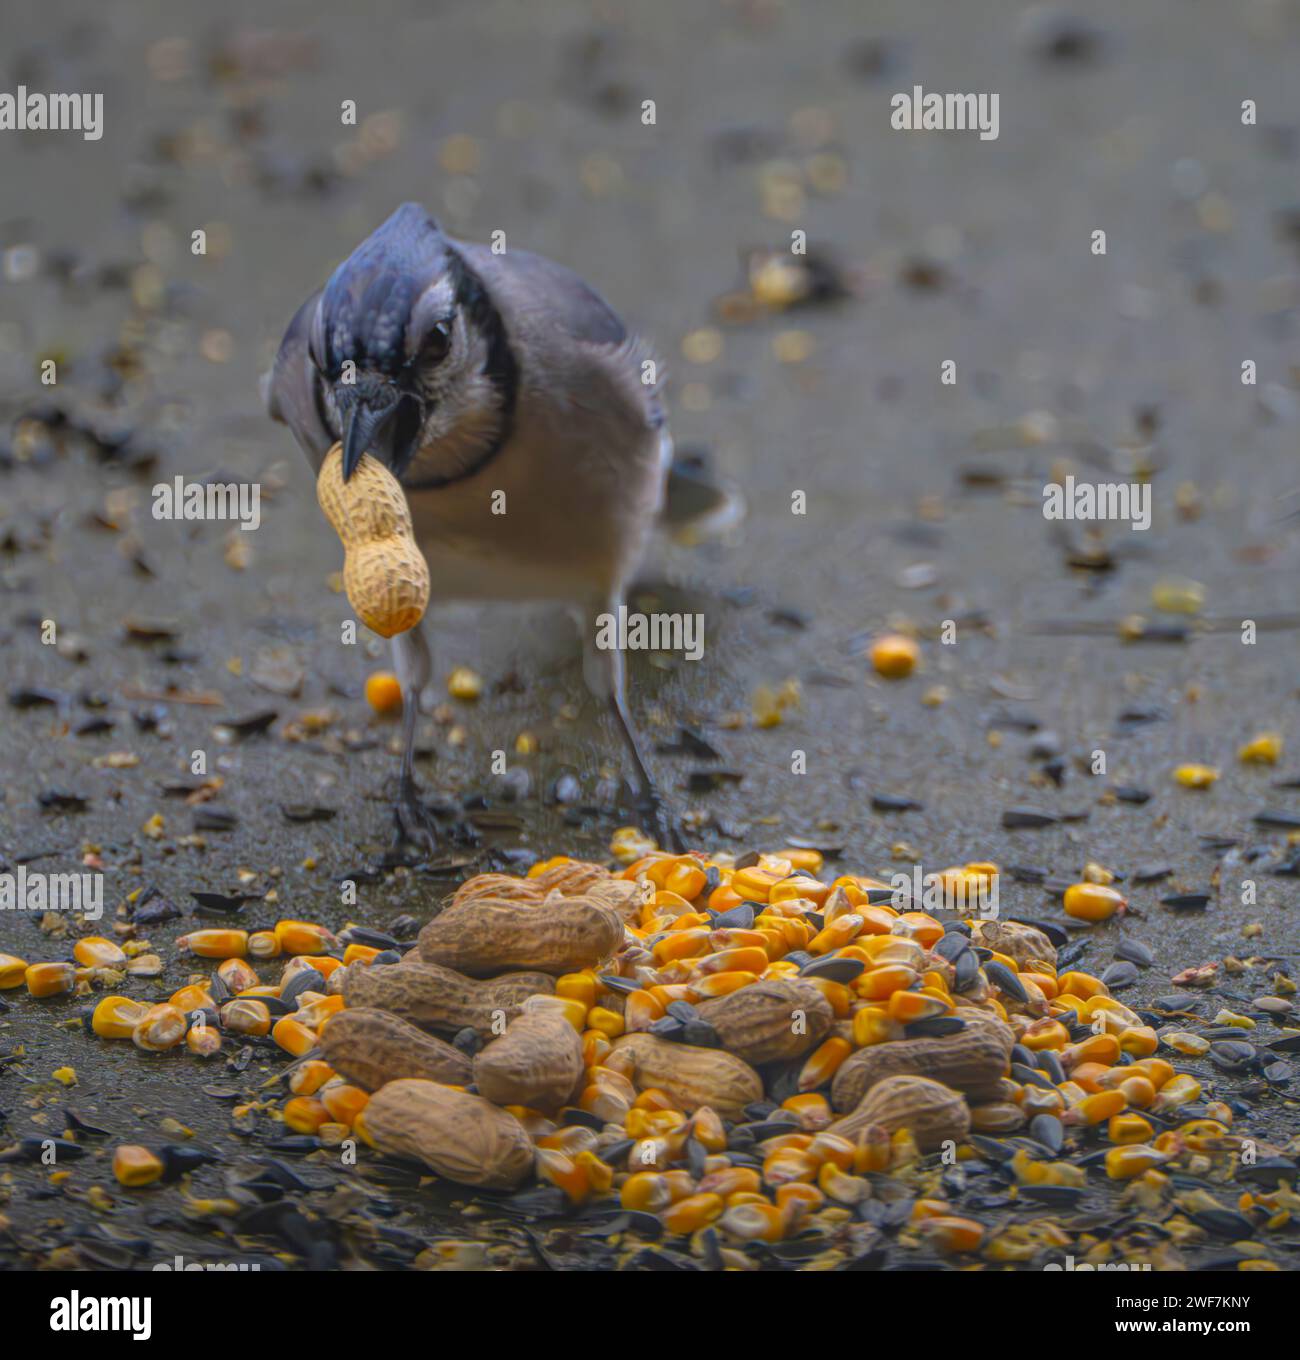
(344, 1101)
(646, 1192)
(262, 944)
(305, 1114)
(1123, 1163)
(50, 979)
(893, 656)
(384, 693)
(237, 975)
(293, 1036)
(1181, 1090)
(215, 944)
(464, 684)
(905, 1007)
(1265, 749)
(692, 1213)
(304, 937)
(13, 971)
(94, 951)
(952, 1235)
(1129, 1128)
(115, 1017)
(755, 1221)
(1095, 1108)
(161, 1028)
(1093, 902)
(246, 1015)
(606, 1021)
(1195, 776)
(578, 986)
(203, 1040)
(824, 1062)
(134, 1165)
(307, 1078)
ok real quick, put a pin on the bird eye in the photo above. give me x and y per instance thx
(436, 343)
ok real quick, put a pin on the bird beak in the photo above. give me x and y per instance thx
(366, 422)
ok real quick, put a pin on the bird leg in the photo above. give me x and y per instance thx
(605, 673)
(414, 666)
(661, 823)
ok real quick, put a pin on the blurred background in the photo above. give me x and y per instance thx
(923, 500)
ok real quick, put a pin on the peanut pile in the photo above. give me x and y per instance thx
(749, 1051)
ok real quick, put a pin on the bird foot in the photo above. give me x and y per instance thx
(414, 823)
(661, 822)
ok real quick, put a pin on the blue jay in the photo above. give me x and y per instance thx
(487, 382)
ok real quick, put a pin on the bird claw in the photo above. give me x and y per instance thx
(414, 822)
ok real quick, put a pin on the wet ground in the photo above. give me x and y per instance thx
(923, 500)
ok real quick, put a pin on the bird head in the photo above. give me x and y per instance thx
(392, 339)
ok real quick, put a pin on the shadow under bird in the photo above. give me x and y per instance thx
(484, 380)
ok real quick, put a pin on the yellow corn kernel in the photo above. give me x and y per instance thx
(464, 684)
(304, 937)
(1129, 1128)
(1192, 1045)
(646, 1192)
(237, 975)
(872, 1025)
(641, 1123)
(691, 1214)
(753, 1220)
(881, 983)
(360, 953)
(755, 884)
(262, 944)
(1156, 1070)
(1262, 750)
(572, 1010)
(13, 971)
(905, 1007)
(707, 1128)
(1095, 1108)
(1136, 1159)
(115, 1017)
(215, 944)
(1195, 776)
(1081, 984)
(599, 1174)
(309, 1077)
(1093, 902)
(578, 987)
(824, 1062)
(293, 1036)
(1097, 1048)
(1045, 1034)
(344, 1101)
(723, 984)
(203, 1040)
(160, 1028)
(194, 997)
(94, 951)
(748, 960)
(952, 1235)
(246, 1015)
(305, 1114)
(1181, 1090)
(1138, 1092)
(50, 979)
(1139, 1040)
(685, 878)
(314, 1013)
(893, 656)
(134, 1165)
